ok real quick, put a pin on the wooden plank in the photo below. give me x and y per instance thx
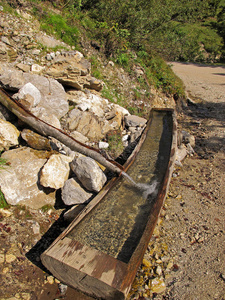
(80, 257)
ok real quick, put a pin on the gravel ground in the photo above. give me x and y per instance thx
(185, 258)
(195, 227)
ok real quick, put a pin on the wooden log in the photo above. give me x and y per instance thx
(48, 130)
(82, 256)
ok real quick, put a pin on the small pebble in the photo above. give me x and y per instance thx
(62, 288)
(159, 270)
(50, 279)
(157, 285)
(146, 263)
(10, 258)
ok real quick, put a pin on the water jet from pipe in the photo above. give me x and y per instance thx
(145, 188)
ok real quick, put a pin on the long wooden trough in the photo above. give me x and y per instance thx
(100, 251)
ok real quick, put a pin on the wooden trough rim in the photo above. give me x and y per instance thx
(120, 283)
(126, 166)
(92, 271)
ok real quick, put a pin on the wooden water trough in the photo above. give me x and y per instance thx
(100, 251)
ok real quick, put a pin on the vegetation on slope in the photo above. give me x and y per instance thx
(139, 32)
(189, 30)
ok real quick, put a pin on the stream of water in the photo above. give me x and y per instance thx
(146, 189)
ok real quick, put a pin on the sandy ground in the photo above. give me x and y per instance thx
(203, 81)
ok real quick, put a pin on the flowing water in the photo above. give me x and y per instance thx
(116, 224)
(146, 189)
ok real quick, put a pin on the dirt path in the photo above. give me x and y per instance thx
(195, 228)
(202, 81)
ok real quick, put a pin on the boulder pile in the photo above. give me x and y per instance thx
(58, 88)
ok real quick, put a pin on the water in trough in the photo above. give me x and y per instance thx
(116, 224)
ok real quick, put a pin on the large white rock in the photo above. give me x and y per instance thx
(56, 171)
(53, 95)
(89, 173)
(44, 115)
(73, 193)
(30, 89)
(19, 182)
(8, 135)
(134, 121)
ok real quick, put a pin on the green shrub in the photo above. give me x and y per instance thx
(122, 59)
(187, 42)
(114, 139)
(59, 26)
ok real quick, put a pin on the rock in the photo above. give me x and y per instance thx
(121, 110)
(125, 138)
(187, 138)
(93, 83)
(103, 145)
(30, 89)
(8, 135)
(157, 285)
(135, 135)
(85, 123)
(146, 263)
(48, 41)
(79, 137)
(5, 212)
(3, 52)
(25, 163)
(36, 227)
(89, 101)
(159, 270)
(180, 154)
(73, 193)
(5, 40)
(36, 51)
(110, 115)
(190, 150)
(53, 96)
(134, 121)
(11, 79)
(50, 279)
(23, 67)
(35, 140)
(63, 289)
(72, 69)
(45, 116)
(9, 258)
(37, 69)
(111, 63)
(56, 171)
(139, 72)
(89, 173)
(116, 121)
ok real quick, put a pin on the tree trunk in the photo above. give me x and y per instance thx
(48, 130)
